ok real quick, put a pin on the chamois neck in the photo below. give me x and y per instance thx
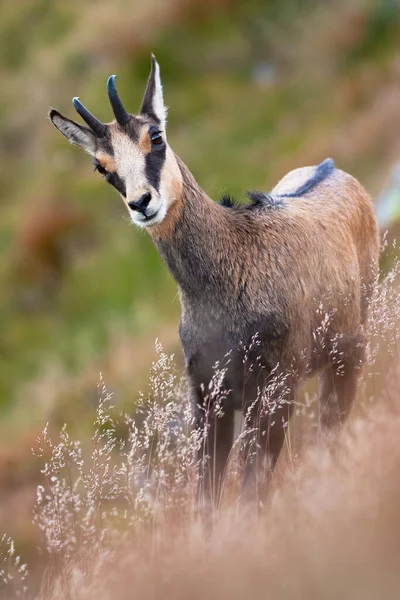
(193, 196)
(199, 239)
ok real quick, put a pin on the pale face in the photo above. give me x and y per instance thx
(131, 153)
(142, 167)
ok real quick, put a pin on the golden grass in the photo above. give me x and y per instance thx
(331, 530)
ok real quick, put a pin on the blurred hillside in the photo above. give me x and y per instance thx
(254, 88)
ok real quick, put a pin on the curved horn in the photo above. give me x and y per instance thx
(120, 113)
(95, 125)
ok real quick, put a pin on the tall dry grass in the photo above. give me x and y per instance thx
(331, 531)
(118, 516)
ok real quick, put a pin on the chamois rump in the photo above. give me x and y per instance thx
(292, 270)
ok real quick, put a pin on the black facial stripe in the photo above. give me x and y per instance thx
(117, 182)
(104, 144)
(134, 128)
(154, 162)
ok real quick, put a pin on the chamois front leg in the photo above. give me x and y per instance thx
(214, 418)
(215, 429)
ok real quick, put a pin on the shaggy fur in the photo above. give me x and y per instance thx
(275, 274)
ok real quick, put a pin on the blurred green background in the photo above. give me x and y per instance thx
(254, 89)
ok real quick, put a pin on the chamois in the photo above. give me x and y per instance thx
(292, 270)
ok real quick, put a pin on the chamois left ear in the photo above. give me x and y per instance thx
(153, 102)
(79, 135)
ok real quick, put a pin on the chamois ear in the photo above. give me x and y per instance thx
(153, 102)
(76, 134)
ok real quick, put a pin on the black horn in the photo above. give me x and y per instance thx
(95, 125)
(120, 113)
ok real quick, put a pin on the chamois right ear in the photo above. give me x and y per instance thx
(79, 135)
(153, 101)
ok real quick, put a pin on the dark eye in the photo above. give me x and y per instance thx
(156, 138)
(100, 169)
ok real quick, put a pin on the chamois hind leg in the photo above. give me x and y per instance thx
(338, 382)
(213, 453)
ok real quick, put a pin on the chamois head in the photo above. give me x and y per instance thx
(132, 152)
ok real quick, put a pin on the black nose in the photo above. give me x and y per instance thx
(141, 204)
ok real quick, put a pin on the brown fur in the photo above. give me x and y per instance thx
(166, 228)
(107, 161)
(278, 272)
(172, 178)
(334, 222)
(144, 141)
